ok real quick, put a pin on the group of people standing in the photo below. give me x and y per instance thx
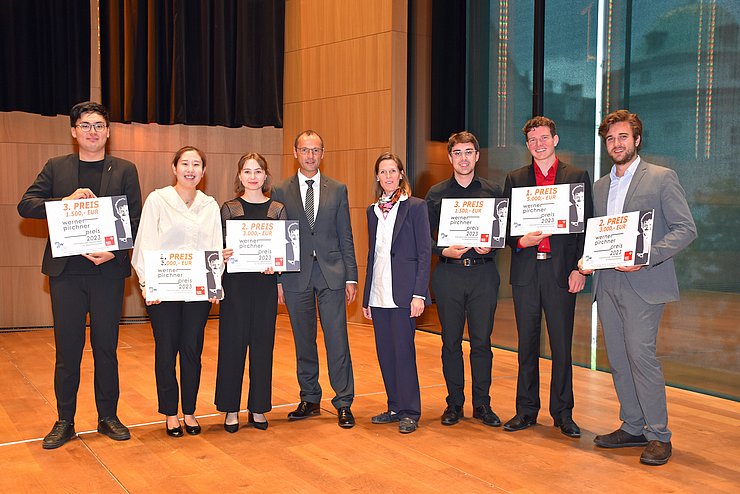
(402, 229)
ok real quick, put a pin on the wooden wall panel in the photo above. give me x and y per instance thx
(345, 73)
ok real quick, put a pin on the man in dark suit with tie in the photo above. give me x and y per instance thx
(545, 277)
(630, 300)
(328, 276)
(91, 283)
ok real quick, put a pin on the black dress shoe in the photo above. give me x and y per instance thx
(113, 428)
(63, 431)
(257, 425)
(407, 425)
(385, 418)
(345, 418)
(232, 428)
(193, 430)
(176, 432)
(452, 415)
(620, 439)
(656, 453)
(519, 423)
(305, 410)
(486, 415)
(568, 427)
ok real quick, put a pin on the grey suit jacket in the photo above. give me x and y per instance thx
(330, 239)
(654, 187)
(59, 178)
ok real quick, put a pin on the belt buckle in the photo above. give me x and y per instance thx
(467, 262)
(541, 256)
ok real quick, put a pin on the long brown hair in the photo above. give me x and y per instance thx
(262, 162)
(403, 183)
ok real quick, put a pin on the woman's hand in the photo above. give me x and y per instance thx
(366, 313)
(417, 307)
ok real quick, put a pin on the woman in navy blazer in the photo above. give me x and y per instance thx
(397, 287)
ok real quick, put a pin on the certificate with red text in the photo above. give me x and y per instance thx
(262, 244)
(473, 222)
(81, 226)
(618, 240)
(553, 209)
(183, 275)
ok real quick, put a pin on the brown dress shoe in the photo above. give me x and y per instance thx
(656, 453)
(620, 439)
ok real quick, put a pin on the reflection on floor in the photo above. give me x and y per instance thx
(315, 455)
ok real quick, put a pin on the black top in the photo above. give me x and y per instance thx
(90, 175)
(451, 189)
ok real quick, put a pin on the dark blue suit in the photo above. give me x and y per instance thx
(394, 328)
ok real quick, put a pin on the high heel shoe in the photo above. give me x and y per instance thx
(232, 428)
(257, 425)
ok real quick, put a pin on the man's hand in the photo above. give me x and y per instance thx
(455, 251)
(366, 313)
(213, 300)
(482, 250)
(350, 290)
(584, 272)
(628, 269)
(576, 281)
(226, 254)
(80, 194)
(281, 296)
(417, 307)
(533, 238)
(99, 258)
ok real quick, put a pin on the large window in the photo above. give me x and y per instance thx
(675, 63)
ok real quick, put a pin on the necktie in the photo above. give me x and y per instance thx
(309, 203)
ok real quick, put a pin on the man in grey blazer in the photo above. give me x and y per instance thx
(90, 283)
(328, 276)
(630, 300)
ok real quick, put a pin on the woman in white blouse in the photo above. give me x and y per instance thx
(178, 217)
(397, 287)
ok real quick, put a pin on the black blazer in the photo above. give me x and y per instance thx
(566, 249)
(411, 252)
(58, 179)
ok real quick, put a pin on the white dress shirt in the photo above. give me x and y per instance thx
(316, 190)
(167, 223)
(618, 188)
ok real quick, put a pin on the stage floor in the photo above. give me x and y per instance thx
(315, 455)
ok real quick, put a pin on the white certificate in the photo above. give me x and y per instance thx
(262, 244)
(81, 226)
(473, 222)
(183, 275)
(550, 209)
(618, 240)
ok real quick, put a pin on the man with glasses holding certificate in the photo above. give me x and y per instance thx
(465, 284)
(90, 283)
(328, 278)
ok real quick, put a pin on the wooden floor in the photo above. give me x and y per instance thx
(315, 455)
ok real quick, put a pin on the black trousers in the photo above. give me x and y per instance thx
(394, 341)
(72, 298)
(247, 322)
(559, 307)
(466, 293)
(178, 330)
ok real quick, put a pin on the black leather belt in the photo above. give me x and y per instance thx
(466, 262)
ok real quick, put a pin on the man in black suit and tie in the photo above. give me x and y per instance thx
(544, 276)
(91, 283)
(328, 276)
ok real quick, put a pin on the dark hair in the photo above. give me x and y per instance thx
(539, 121)
(460, 138)
(403, 182)
(87, 107)
(622, 116)
(184, 150)
(307, 133)
(262, 162)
